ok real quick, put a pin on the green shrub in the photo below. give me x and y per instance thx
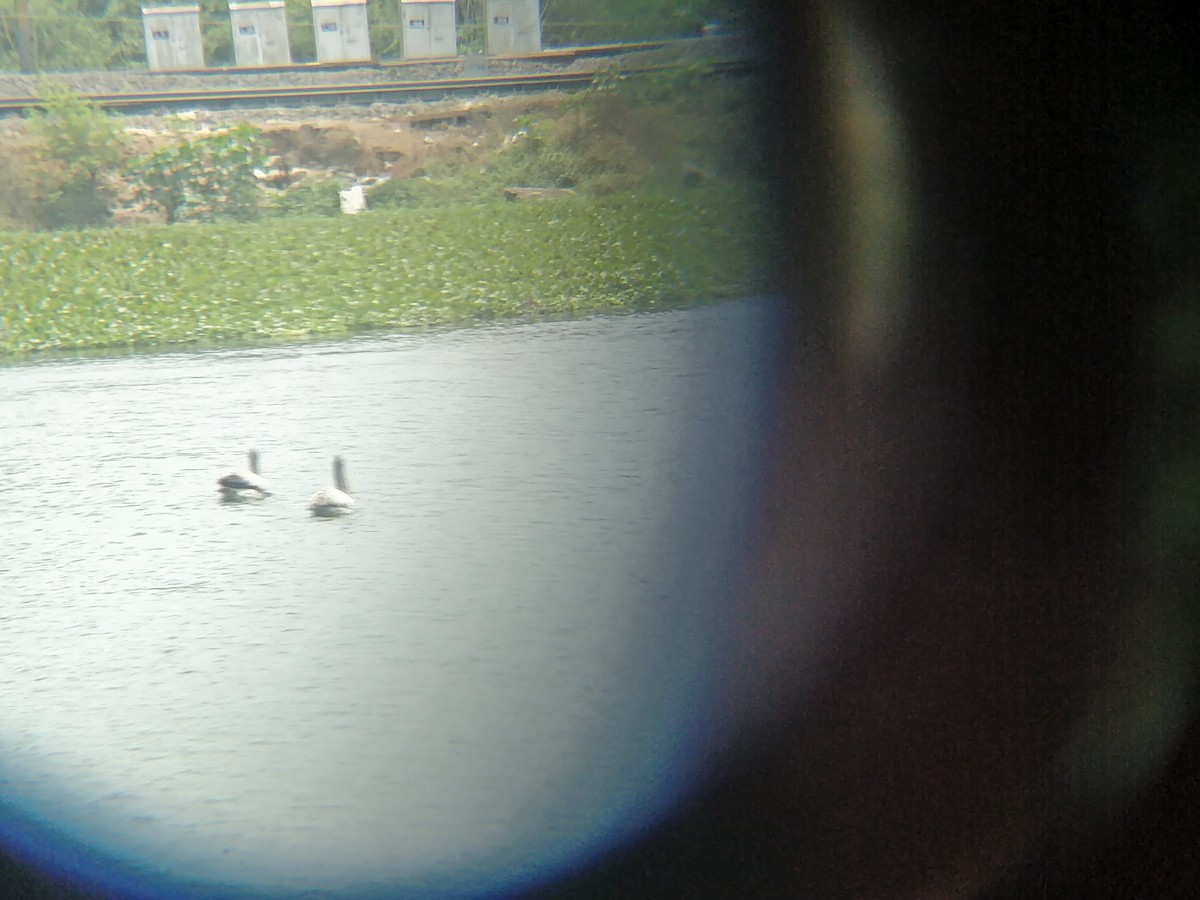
(70, 181)
(626, 132)
(315, 198)
(204, 178)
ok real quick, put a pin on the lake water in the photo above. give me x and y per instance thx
(495, 667)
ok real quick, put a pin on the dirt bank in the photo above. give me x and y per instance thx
(347, 142)
(397, 140)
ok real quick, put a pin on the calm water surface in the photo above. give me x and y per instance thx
(496, 664)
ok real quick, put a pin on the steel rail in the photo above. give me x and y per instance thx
(372, 92)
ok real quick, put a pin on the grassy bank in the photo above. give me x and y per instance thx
(385, 269)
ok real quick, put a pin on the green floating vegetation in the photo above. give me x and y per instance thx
(389, 269)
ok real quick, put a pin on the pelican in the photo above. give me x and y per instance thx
(244, 485)
(334, 501)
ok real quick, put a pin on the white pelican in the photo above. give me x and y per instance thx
(243, 485)
(334, 501)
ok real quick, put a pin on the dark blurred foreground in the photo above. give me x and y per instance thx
(1002, 490)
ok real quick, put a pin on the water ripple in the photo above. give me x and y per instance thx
(491, 665)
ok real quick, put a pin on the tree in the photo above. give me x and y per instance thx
(80, 148)
(44, 35)
(24, 22)
(566, 22)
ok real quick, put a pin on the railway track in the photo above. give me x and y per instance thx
(316, 95)
(361, 93)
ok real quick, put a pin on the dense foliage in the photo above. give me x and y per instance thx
(639, 230)
(75, 35)
(170, 284)
(626, 132)
(659, 130)
(68, 179)
(54, 35)
(205, 177)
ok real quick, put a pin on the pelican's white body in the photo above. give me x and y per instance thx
(244, 484)
(336, 500)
